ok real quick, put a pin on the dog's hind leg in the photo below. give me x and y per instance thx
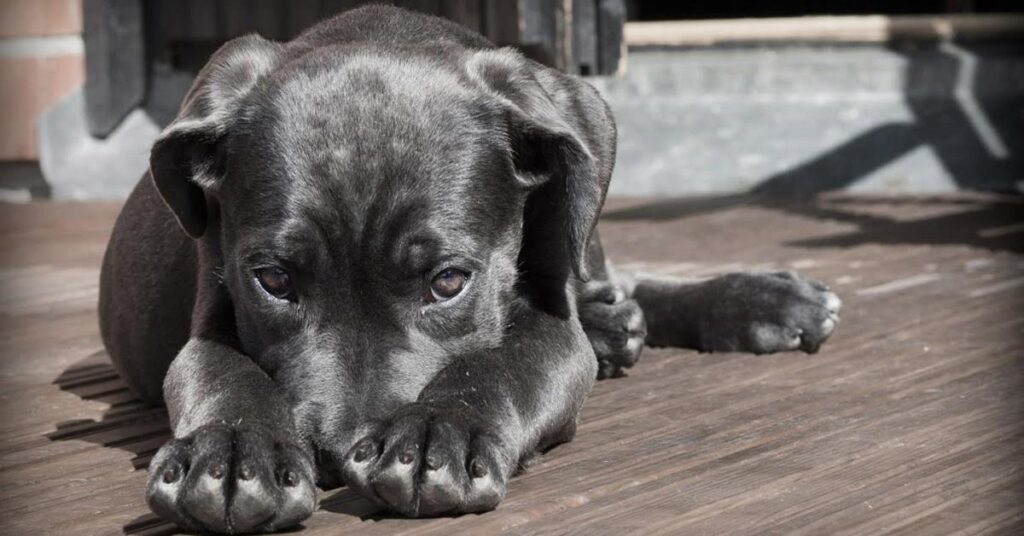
(756, 312)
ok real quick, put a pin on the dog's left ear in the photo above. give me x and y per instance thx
(562, 141)
(187, 159)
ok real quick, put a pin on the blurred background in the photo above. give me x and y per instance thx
(722, 97)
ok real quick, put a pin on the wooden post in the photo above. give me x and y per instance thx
(501, 21)
(611, 19)
(584, 37)
(115, 62)
(468, 13)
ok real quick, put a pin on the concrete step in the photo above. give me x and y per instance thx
(798, 118)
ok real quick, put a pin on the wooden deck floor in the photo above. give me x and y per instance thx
(911, 420)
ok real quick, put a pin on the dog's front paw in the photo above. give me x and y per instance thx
(768, 312)
(232, 479)
(428, 460)
(615, 326)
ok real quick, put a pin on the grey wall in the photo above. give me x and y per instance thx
(800, 119)
(786, 119)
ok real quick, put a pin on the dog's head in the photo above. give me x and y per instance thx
(370, 214)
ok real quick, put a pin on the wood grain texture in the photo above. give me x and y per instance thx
(909, 421)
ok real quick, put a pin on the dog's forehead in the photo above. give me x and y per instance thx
(365, 107)
(371, 138)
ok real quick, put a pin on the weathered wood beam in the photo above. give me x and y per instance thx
(115, 61)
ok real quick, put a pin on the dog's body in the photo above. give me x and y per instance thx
(388, 276)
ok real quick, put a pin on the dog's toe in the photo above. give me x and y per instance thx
(430, 462)
(766, 337)
(781, 312)
(616, 329)
(441, 487)
(828, 325)
(832, 302)
(230, 480)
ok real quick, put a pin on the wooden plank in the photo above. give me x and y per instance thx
(908, 421)
(115, 79)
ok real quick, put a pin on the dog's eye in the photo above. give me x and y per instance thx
(447, 284)
(275, 281)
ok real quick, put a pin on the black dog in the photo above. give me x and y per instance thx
(388, 275)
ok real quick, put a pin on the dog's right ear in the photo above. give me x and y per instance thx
(562, 146)
(187, 161)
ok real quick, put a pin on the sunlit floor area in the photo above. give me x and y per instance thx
(909, 420)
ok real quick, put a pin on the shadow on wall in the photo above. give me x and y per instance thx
(965, 107)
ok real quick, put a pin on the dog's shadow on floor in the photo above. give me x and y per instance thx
(128, 424)
(132, 425)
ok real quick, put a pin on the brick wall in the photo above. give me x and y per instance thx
(41, 61)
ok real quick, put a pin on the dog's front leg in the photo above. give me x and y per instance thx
(454, 450)
(235, 464)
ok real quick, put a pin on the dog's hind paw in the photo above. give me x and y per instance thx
(768, 312)
(615, 326)
(230, 479)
